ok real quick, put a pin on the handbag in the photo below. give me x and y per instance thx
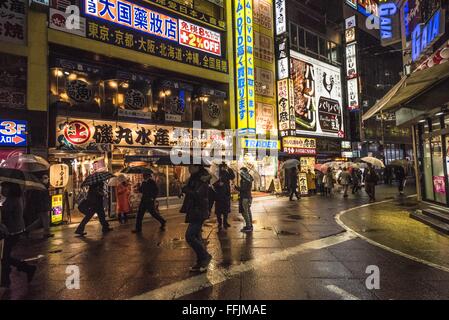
(83, 207)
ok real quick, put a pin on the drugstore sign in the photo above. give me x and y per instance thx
(244, 34)
(137, 26)
(13, 133)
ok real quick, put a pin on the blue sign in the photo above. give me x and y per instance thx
(13, 133)
(260, 144)
(424, 35)
(386, 12)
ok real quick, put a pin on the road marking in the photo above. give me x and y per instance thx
(377, 244)
(34, 258)
(339, 291)
(217, 275)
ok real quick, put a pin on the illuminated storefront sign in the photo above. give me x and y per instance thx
(13, 133)
(351, 69)
(281, 17)
(352, 3)
(350, 35)
(350, 22)
(260, 144)
(351, 61)
(283, 107)
(317, 97)
(389, 23)
(423, 36)
(85, 134)
(193, 36)
(245, 67)
(56, 208)
(137, 26)
(353, 94)
(365, 7)
(299, 145)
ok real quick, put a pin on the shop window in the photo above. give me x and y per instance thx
(210, 107)
(436, 124)
(76, 85)
(173, 102)
(439, 185)
(427, 172)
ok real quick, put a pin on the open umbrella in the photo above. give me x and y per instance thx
(137, 170)
(97, 177)
(400, 162)
(26, 162)
(374, 161)
(115, 181)
(291, 163)
(20, 177)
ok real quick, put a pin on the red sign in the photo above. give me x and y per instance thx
(303, 151)
(77, 132)
(194, 36)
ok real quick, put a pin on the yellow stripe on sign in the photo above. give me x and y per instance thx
(250, 66)
(240, 68)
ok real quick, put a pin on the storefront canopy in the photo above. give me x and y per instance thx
(410, 88)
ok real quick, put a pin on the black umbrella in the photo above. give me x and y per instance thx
(23, 178)
(96, 178)
(137, 170)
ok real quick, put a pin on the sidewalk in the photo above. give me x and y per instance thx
(389, 225)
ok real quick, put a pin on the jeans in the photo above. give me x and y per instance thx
(247, 215)
(44, 218)
(90, 213)
(222, 218)
(144, 207)
(294, 192)
(8, 261)
(195, 240)
(401, 185)
(345, 189)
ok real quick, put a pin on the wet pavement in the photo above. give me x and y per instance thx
(297, 251)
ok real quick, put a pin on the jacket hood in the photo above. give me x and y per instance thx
(246, 176)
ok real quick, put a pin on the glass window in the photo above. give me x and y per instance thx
(322, 47)
(294, 36)
(311, 42)
(436, 124)
(427, 172)
(439, 184)
(302, 37)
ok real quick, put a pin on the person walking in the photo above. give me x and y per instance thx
(319, 181)
(311, 184)
(12, 218)
(400, 174)
(245, 198)
(196, 208)
(122, 192)
(223, 195)
(293, 183)
(356, 177)
(370, 178)
(149, 191)
(328, 182)
(42, 205)
(93, 204)
(344, 180)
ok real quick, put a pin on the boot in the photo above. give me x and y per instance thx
(225, 221)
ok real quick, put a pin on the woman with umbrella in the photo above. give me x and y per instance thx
(94, 202)
(122, 192)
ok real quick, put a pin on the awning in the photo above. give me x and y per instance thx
(409, 88)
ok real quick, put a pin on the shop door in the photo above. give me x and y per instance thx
(438, 166)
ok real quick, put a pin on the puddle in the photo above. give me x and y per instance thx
(287, 233)
(295, 217)
(267, 228)
(55, 251)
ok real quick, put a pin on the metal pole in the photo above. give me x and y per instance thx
(167, 184)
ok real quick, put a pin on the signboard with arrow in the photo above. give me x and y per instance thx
(13, 133)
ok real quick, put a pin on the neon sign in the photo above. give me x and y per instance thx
(423, 36)
(386, 12)
(245, 67)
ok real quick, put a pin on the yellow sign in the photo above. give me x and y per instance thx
(307, 163)
(56, 208)
(298, 145)
(246, 105)
(302, 179)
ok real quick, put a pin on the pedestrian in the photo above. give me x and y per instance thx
(245, 198)
(311, 184)
(91, 205)
(122, 192)
(401, 178)
(344, 180)
(12, 219)
(370, 178)
(292, 174)
(328, 182)
(319, 181)
(149, 190)
(223, 195)
(42, 206)
(196, 208)
(388, 175)
(356, 177)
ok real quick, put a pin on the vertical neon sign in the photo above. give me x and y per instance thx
(245, 67)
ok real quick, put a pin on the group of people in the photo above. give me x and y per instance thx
(325, 182)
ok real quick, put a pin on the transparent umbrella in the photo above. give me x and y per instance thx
(26, 162)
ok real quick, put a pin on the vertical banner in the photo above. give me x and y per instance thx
(241, 65)
(250, 66)
(283, 107)
(246, 103)
(281, 17)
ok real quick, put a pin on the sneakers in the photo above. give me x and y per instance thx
(80, 234)
(247, 229)
(202, 265)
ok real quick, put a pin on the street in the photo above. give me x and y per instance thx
(298, 250)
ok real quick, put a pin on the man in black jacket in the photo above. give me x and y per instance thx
(149, 191)
(196, 208)
(371, 178)
(246, 185)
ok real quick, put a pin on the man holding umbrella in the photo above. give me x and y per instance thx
(149, 191)
(94, 202)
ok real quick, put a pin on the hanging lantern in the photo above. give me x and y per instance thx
(59, 175)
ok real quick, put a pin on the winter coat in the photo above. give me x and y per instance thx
(246, 185)
(149, 191)
(345, 178)
(328, 180)
(356, 177)
(225, 176)
(196, 201)
(122, 192)
(319, 178)
(292, 175)
(222, 199)
(12, 215)
(311, 185)
(370, 176)
(95, 196)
